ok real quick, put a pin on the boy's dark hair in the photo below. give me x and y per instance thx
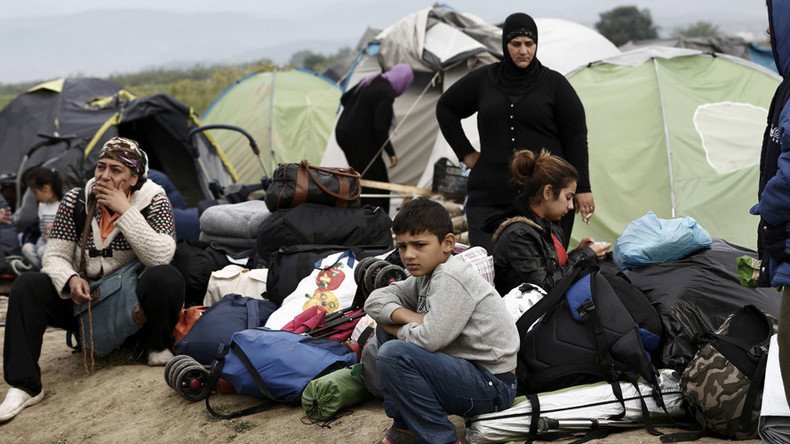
(422, 215)
(38, 176)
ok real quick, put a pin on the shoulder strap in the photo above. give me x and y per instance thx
(755, 388)
(551, 300)
(216, 372)
(253, 317)
(79, 211)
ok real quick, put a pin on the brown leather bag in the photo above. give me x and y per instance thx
(296, 183)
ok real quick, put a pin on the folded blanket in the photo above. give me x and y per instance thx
(234, 243)
(239, 220)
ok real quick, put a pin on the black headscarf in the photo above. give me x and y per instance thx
(514, 79)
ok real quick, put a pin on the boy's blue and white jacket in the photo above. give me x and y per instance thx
(774, 189)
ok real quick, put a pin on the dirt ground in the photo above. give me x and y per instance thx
(132, 403)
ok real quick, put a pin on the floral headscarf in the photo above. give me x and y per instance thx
(128, 152)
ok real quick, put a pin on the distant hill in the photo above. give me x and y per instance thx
(103, 42)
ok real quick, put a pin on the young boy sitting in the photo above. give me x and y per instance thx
(446, 342)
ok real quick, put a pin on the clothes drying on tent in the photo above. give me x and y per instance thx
(695, 295)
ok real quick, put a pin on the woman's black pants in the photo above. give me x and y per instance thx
(34, 304)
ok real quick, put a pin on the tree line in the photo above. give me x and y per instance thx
(198, 85)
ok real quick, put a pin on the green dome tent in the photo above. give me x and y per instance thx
(676, 131)
(290, 114)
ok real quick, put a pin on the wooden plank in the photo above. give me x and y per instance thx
(403, 189)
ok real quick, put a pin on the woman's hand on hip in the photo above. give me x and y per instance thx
(471, 159)
(585, 205)
(393, 161)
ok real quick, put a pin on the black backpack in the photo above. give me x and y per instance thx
(603, 344)
(314, 224)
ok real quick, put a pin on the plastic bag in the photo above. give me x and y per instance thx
(650, 240)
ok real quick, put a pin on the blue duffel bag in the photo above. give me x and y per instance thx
(275, 365)
(213, 330)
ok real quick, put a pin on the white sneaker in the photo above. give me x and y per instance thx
(15, 401)
(159, 358)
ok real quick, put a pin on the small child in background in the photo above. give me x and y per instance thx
(47, 186)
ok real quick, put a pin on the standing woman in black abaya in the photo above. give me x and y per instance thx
(520, 104)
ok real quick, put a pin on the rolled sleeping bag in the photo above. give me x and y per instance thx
(325, 396)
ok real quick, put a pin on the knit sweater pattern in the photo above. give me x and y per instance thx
(149, 238)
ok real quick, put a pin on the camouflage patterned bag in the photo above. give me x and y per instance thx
(723, 383)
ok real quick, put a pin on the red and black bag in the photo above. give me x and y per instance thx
(296, 183)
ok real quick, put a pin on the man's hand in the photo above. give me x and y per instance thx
(391, 329)
(79, 290)
(111, 197)
(585, 205)
(5, 216)
(470, 160)
(403, 316)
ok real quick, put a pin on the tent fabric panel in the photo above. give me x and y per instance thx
(290, 114)
(45, 111)
(246, 106)
(689, 83)
(721, 205)
(55, 86)
(404, 41)
(446, 42)
(303, 117)
(565, 45)
(628, 163)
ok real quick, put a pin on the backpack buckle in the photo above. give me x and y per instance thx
(584, 310)
(756, 352)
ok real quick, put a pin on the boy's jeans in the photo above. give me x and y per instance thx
(420, 388)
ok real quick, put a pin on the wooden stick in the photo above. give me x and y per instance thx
(403, 189)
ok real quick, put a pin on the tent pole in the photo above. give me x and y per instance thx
(666, 138)
(271, 121)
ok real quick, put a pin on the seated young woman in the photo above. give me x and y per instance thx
(527, 237)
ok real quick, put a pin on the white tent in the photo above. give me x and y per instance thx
(442, 45)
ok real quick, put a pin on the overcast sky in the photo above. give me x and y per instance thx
(39, 41)
(381, 13)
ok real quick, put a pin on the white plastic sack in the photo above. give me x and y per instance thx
(650, 240)
(522, 298)
(330, 285)
(590, 401)
(235, 279)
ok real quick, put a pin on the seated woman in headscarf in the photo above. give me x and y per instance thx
(527, 237)
(125, 218)
(363, 127)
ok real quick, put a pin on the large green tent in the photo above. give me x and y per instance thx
(290, 114)
(675, 131)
